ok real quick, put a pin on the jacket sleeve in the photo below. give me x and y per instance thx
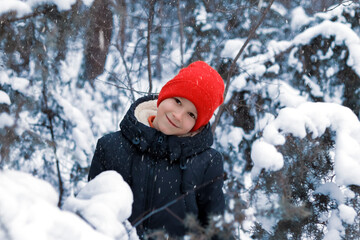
(97, 163)
(210, 197)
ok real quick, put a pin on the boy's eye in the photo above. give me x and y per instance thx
(177, 101)
(192, 115)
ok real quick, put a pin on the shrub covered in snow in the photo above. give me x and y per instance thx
(28, 209)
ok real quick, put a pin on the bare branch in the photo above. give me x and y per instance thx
(342, 3)
(117, 86)
(121, 50)
(50, 115)
(233, 65)
(9, 17)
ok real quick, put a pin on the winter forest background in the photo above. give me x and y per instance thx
(289, 129)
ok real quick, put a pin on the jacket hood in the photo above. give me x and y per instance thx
(154, 142)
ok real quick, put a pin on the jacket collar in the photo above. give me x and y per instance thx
(154, 142)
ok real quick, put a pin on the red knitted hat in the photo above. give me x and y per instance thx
(200, 84)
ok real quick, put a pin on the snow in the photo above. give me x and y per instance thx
(88, 3)
(4, 78)
(4, 98)
(6, 120)
(335, 11)
(237, 83)
(299, 18)
(334, 227)
(279, 8)
(265, 201)
(332, 190)
(333, 234)
(232, 47)
(233, 136)
(82, 131)
(315, 118)
(26, 7)
(20, 84)
(274, 69)
(347, 214)
(29, 209)
(283, 93)
(105, 202)
(29, 204)
(201, 18)
(342, 33)
(265, 155)
(21, 8)
(315, 88)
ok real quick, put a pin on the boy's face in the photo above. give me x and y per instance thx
(175, 116)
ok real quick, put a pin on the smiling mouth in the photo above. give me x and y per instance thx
(171, 122)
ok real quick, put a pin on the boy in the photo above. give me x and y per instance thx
(163, 151)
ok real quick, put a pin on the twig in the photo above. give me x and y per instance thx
(117, 86)
(127, 72)
(174, 215)
(338, 5)
(50, 115)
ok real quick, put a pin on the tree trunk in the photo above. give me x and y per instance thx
(98, 39)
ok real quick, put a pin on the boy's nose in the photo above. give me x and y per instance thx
(178, 115)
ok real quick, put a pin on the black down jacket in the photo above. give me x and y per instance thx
(161, 169)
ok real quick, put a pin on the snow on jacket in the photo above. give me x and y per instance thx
(160, 169)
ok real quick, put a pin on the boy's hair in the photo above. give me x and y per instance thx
(200, 84)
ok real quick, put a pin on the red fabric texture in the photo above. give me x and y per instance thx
(200, 84)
